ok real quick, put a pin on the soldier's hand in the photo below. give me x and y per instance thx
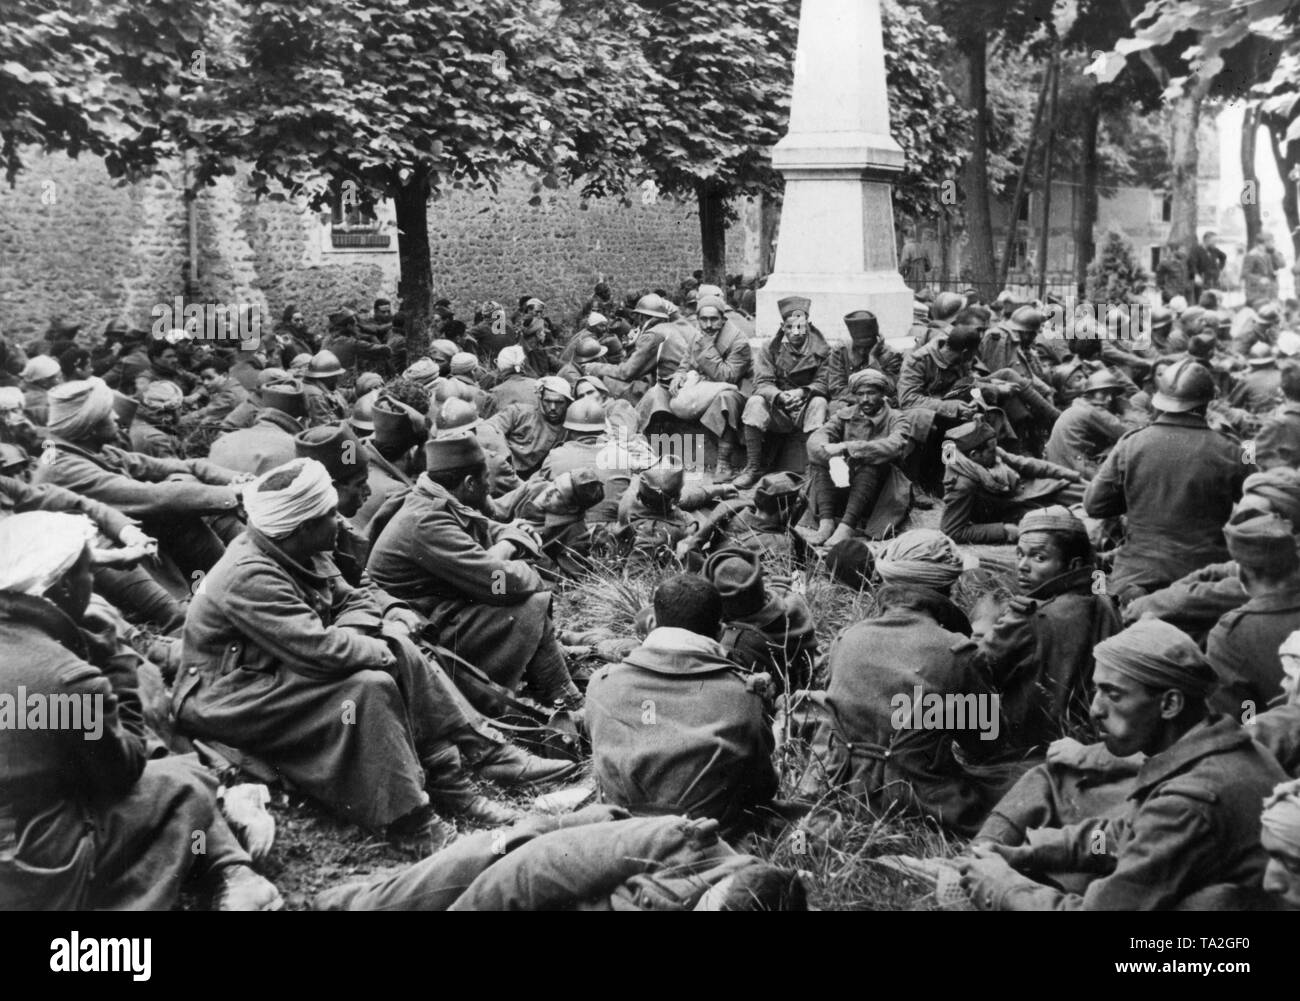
(1013, 533)
(858, 449)
(405, 618)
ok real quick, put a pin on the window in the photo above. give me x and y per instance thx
(354, 223)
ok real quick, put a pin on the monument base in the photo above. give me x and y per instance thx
(832, 295)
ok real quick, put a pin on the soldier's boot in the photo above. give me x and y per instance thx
(724, 472)
(451, 791)
(753, 470)
(420, 833)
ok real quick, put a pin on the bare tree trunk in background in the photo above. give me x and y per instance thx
(415, 287)
(713, 231)
(1184, 156)
(1049, 144)
(1286, 168)
(1084, 245)
(975, 181)
(1249, 181)
(771, 223)
(1013, 222)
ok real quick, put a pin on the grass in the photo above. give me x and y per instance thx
(314, 850)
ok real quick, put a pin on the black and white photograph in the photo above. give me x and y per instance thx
(669, 455)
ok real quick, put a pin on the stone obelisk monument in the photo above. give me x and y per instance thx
(836, 242)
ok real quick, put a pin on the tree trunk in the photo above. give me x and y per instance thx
(771, 224)
(979, 219)
(1184, 157)
(1249, 182)
(1286, 168)
(1084, 245)
(1049, 145)
(415, 287)
(713, 231)
(1013, 222)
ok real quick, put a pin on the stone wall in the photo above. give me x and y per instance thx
(74, 243)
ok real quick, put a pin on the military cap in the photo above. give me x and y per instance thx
(392, 425)
(1263, 542)
(589, 349)
(336, 448)
(1056, 518)
(457, 451)
(738, 575)
(793, 303)
(971, 435)
(286, 397)
(663, 480)
(585, 415)
(862, 325)
(363, 412)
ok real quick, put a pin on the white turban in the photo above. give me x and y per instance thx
(511, 358)
(40, 367)
(277, 513)
(11, 398)
(922, 556)
(39, 547)
(78, 406)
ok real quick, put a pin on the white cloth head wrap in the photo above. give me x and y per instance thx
(77, 406)
(39, 547)
(277, 513)
(922, 556)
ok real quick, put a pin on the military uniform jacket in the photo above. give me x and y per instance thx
(515, 388)
(886, 432)
(927, 382)
(846, 359)
(779, 367)
(433, 555)
(1176, 480)
(152, 441)
(324, 405)
(657, 353)
(528, 434)
(260, 448)
(137, 485)
(724, 359)
(52, 777)
(17, 497)
(974, 514)
(1279, 731)
(674, 729)
(1278, 441)
(1194, 603)
(1242, 649)
(1038, 656)
(1082, 436)
(882, 748)
(1192, 821)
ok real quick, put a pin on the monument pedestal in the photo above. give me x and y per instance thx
(836, 242)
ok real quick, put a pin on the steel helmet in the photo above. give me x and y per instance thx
(585, 414)
(324, 365)
(652, 305)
